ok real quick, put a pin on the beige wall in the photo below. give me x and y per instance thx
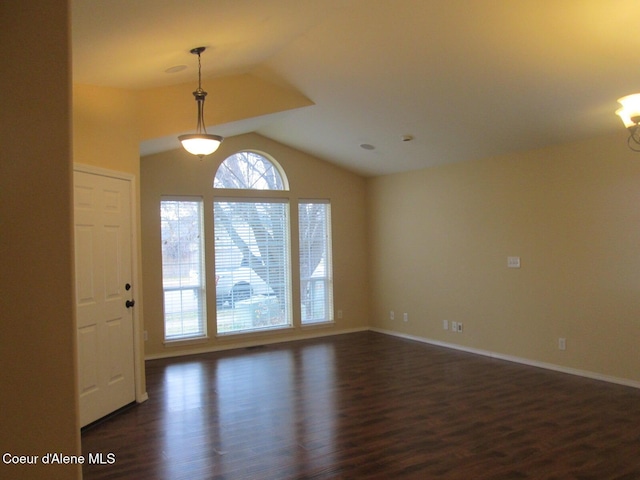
(105, 128)
(440, 238)
(38, 394)
(178, 173)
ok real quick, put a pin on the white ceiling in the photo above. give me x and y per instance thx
(466, 78)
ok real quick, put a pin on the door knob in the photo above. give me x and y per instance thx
(129, 303)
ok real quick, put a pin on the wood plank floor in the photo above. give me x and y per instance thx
(367, 405)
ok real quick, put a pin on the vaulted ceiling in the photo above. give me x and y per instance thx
(466, 79)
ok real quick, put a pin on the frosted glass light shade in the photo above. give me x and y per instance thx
(200, 144)
(630, 111)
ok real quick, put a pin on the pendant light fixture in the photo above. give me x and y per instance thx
(200, 143)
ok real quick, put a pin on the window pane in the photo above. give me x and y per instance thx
(248, 171)
(252, 265)
(316, 284)
(182, 272)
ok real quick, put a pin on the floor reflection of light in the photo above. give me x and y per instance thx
(187, 421)
(262, 402)
(251, 404)
(316, 432)
(183, 386)
(282, 400)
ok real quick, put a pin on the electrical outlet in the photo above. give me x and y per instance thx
(405, 317)
(392, 315)
(454, 326)
(562, 343)
(445, 324)
(459, 327)
(339, 314)
(146, 336)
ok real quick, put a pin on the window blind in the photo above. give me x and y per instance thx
(183, 278)
(316, 283)
(252, 264)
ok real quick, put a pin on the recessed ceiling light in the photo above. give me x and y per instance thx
(367, 146)
(176, 69)
(407, 138)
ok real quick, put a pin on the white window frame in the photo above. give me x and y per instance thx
(195, 282)
(255, 311)
(316, 286)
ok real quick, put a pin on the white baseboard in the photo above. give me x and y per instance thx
(142, 398)
(511, 358)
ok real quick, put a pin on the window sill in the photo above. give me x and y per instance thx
(180, 342)
(329, 323)
(256, 331)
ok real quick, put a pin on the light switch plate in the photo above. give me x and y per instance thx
(513, 262)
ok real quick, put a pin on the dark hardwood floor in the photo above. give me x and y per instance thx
(371, 406)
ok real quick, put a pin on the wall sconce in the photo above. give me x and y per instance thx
(630, 115)
(200, 143)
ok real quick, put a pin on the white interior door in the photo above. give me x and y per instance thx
(102, 218)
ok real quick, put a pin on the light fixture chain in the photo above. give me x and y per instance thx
(199, 73)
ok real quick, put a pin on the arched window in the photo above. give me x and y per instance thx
(249, 170)
(253, 251)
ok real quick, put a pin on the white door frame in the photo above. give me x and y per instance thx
(138, 355)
